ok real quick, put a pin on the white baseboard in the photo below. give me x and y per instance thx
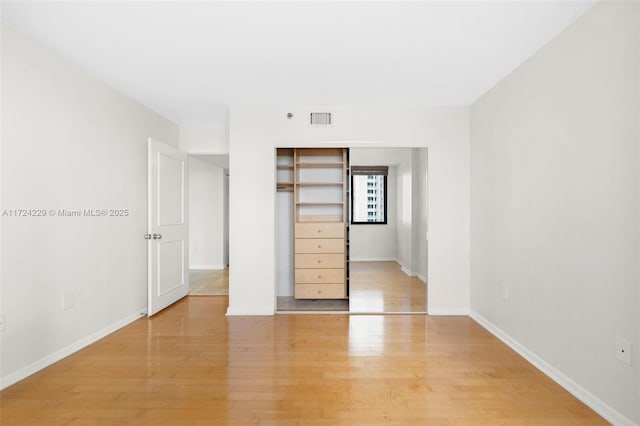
(596, 404)
(406, 271)
(422, 277)
(42, 363)
(375, 259)
(206, 267)
(448, 311)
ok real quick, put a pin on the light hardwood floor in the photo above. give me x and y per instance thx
(383, 287)
(209, 282)
(192, 365)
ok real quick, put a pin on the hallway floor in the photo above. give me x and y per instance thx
(203, 282)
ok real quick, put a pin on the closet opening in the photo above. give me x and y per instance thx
(351, 247)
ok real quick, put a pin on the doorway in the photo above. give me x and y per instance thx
(209, 225)
(389, 258)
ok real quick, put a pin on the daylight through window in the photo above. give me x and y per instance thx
(369, 194)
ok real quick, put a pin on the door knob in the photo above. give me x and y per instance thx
(147, 236)
(157, 236)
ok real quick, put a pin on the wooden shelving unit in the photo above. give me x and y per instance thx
(320, 184)
(316, 165)
(284, 170)
(320, 214)
(319, 203)
(318, 179)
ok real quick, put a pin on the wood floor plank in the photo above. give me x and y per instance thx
(192, 365)
(381, 286)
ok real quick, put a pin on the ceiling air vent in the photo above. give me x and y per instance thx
(321, 119)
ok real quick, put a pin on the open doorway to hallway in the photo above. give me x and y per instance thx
(208, 225)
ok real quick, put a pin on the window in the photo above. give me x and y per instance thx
(369, 194)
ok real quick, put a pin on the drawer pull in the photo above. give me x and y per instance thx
(319, 230)
(319, 246)
(319, 261)
(319, 276)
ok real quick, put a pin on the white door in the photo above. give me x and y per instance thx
(167, 226)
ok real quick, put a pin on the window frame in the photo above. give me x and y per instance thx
(385, 203)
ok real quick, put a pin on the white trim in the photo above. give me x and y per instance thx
(448, 311)
(312, 313)
(48, 360)
(422, 277)
(381, 259)
(348, 313)
(206, 267)
(406, 271)
(596, 404)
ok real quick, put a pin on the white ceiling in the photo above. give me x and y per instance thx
(190, 60)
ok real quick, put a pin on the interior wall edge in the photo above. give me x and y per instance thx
(50, 359)
(592, 401)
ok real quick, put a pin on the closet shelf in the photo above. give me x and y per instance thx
(284, 167)
(319, 183)
(319, 203)
(312, 165)
(284, 186)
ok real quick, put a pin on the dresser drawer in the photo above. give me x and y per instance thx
(319, 245)
(319, 261)
(310, 276)
(320, 230)
(319, 291)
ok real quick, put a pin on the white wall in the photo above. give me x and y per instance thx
(206, 214)
(377, 242)
(284, 243)
(256, 131)
(404, 213)
(205, 138)
(554, 207)
(420, 204)
(636, 352)
(225, 220)
(412, 213)
(69, 142)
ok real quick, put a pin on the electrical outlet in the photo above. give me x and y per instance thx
(623, 350)
(67, 301)
(3, 323)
